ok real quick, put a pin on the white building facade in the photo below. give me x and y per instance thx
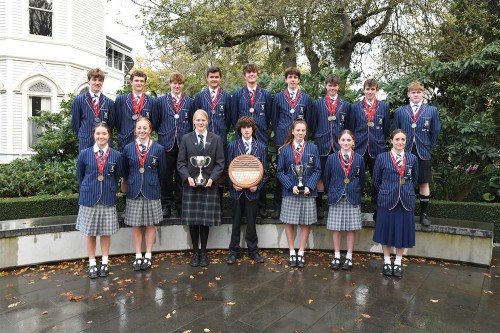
(46, 49)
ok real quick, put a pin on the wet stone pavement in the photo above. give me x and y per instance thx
(432, 296)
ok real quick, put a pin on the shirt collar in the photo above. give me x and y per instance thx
(96, 148)
(204, 134)
(394, 153)
(92, 94)
(299, 143)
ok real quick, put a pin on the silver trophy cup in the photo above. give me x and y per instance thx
(200, 162)
(299, 171)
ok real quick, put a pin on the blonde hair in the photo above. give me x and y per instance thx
(201, 112)
(415, 85)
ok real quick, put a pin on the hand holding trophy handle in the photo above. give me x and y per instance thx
(299, 171)
(200, 162)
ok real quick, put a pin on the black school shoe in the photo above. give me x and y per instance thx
(347, 264)
(104, 270)
(137, 264)
(146, 263)
(397, 271)
(387, 270)
(195, 260)
(231, 259)
(335, 264)
(93, 272)
(300, 261)
(292, 262)
(257, 258)
(204, 259)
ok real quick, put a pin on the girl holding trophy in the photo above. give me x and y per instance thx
(298, 171)
(200, 164)
(144, 164)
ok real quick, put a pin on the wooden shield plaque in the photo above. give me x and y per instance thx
(246, 171)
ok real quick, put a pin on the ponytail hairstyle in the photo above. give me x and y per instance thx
(289, 137)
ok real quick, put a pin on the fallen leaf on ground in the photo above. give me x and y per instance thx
(168, 316)
(218, 278)
(230, 303)
(434, 300)
(45, 312)
(206, 330)
(197, 297)
(13, 305)
(76, 298)
(191, 277)
(310, 301)
(211, 284)
(366, 315)
(347, 296)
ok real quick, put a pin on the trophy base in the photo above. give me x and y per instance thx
(301, 190)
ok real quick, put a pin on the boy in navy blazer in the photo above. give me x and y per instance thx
(128, 107)
(370, 122)
(254, 102)
(91, 108)
(246, 200)
(175, 111)
(421, 123)
(330, 116)
(288, 105)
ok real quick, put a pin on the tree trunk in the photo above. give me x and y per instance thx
(287, 46)
(469, 186)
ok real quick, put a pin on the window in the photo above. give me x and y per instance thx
(109, 57)
(38, 101)
(40, 15)
(118, 60)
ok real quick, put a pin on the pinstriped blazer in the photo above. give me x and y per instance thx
(220, 121)
(237, 148)
(124, 109)
(170, 128)
(425, 134)
(371, 139)
(334, 176)
(312, 173)
(386, 181)
(82, 118)
(282, 119)
(262, 113)
(147, 183)
(91, 190)
(326, 133)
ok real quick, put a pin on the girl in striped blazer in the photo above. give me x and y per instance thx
(144, 167)
(344, 177)
(299, 205)
(395, 178)
(98, 169)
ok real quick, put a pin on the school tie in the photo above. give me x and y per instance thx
(292, 95)
(369, 105)
(415, 108)
(346, 159)
(212, 92)
(201, 144)
(247, 147)
(299, 147)
(143, 148)
(96, 99)
(101, 155)
(137, 98)
(176, 99)
(251, 92)
(399, 160)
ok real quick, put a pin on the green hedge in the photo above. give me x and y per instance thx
(41, 206)
(49, 205)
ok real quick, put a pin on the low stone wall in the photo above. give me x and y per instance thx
(34, 241)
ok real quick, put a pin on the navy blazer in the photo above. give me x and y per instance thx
(370, 139)
(258, 149)
(213, 148)
(326, 133)
(82, 118)
(219, 119)
(124, 110)
(334, 176)
(171, 130)
(91, 190)
(281, 117)
(386, 181)
(147, 183)
(425, 134)
(262, 110)
(312, 173)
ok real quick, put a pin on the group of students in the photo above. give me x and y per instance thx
(346, 139)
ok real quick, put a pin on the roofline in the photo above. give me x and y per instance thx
(114, 41)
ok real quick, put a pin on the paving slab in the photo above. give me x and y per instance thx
(432, 296)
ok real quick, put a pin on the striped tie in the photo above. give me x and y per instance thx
(399, 160)
(299, 147)
(247, 147)
(212, 92)
(346, 159)
(143, 148)
(201, 144)
(96, 99)
(101, 155)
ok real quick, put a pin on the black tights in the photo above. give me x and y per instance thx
(199, 232)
